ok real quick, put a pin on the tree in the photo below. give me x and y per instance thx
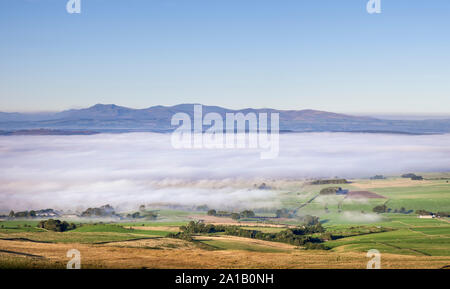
(56, 225)
(311, 220)
(408, 176)
(212, 213)
(247, 214)
(283, 213)
(11, 214)
(235, 216)
(380, 209)
(423, 212)
(330, 191)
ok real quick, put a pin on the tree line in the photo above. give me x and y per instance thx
(56, 225)
(300, 236)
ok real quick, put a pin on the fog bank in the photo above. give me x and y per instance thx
(127, 169)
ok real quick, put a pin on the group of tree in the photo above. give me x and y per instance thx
(135, 215)
(296, 236)
(56, 225)
(234, 216)
(412, 176)
(380, 209)
(24, 214)
(384, 209)
(428, 213)
(378, 177)
(213, 212)
(199, 227)
(33, 213)
(247, 214)
(103, 211)
(309, 220)
(181, 235)
(424, 212)
(284, 213)
(146, 215)
(329, 191)
(328, 182)
(402, 210)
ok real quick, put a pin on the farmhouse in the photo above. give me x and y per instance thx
(427, 216)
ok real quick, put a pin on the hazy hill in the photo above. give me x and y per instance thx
(110, 117)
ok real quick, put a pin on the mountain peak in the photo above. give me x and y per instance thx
(101, 105)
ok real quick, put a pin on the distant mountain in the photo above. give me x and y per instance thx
(114, 118)
(41, 131)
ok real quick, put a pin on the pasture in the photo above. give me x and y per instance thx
(404, 240)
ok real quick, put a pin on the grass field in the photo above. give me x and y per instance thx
(407, 241)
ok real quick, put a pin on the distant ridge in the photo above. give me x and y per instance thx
(114, 118)
(41, 131)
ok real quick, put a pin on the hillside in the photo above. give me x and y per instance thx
(114, 118)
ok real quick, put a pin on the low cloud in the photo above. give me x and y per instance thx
(127, 169)
(360, 217)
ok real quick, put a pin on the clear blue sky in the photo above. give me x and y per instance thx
(288, 54)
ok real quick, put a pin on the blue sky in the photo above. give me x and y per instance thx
(288, 54)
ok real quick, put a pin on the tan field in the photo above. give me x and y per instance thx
(157, 228)
(399, 183)
(229, 221)
(130, 255)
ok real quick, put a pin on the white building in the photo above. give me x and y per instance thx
(427, 216)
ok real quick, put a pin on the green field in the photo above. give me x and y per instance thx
(118, 229)
(353, 225)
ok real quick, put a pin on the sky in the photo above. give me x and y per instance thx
(286, 54)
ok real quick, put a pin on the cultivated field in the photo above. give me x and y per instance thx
(404, 240)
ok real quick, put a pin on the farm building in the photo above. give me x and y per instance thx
(427, 216)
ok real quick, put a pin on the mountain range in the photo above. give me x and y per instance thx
(114, 118)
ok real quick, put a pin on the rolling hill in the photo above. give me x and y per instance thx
(114, 118)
